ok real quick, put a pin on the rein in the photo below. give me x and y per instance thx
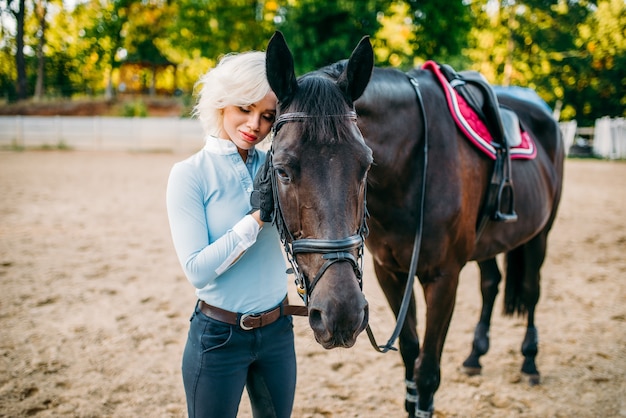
(406, 298)
(332, 250)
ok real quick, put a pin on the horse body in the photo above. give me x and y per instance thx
(457, 176)
(391, 119)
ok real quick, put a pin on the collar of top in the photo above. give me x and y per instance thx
(221, 146)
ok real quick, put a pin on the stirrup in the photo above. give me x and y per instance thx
(500, 216)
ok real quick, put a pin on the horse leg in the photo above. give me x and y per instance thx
(393, 289)
(522, 294)
(530, 350)
(440, 297)
(489, 280)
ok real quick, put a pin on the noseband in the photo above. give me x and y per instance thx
(332, 250)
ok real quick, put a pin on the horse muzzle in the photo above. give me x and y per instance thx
(338, 311)
(338, 322)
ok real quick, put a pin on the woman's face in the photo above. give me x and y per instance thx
(248, 125)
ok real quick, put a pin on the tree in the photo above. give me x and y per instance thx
(71, 67)
(392, 42)
(546, 53)
(41, 8)
(21, 85)
(104, 34)
(146, 26)
(600, 88)
(536, 44)
(321, 33)
(403, 32)
(211, 28)
(198, 32)
(440, 32)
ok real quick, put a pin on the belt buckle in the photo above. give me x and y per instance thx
(242, 325)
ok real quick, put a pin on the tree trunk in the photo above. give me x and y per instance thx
(20, 62)
(41, 8)
(153, 82)
(108, 91)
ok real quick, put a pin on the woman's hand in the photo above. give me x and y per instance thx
(257, 217)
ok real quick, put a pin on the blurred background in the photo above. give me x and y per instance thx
(132, 57)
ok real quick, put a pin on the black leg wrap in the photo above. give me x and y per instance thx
(428, 413)
(411, 397)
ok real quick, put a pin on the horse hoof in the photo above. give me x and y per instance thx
(471, 371)
(533, 379)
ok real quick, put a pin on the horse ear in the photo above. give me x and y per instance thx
(280, 69)
(357, 73)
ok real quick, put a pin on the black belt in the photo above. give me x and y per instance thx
(252, 321)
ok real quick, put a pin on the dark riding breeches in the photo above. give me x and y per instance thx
(220, 359)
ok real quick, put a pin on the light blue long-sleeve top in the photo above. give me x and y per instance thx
(232, 263)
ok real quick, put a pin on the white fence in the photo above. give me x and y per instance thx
(185, 135)
(568, 129)
(607, 138)
(102, 133)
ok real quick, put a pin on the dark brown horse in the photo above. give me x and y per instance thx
(425, 177)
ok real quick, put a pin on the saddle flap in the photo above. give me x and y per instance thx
(478, 114)
(511, 126)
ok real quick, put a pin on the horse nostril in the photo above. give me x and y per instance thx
(315, 316)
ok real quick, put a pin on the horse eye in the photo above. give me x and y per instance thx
(283, 176)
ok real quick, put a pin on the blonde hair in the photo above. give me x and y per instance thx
(237, 80)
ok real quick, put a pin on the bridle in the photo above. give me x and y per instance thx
(332, 250)
(339, 250)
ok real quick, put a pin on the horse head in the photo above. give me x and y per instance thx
(319, 167)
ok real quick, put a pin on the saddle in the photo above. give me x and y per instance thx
(504, 127)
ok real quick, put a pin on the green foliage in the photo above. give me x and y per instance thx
(14, 146)
(603, 83)
(60, 146)
(440, 32)
(553, 46)
(135, 108)
(17, 147)
(210, 28)
(321, 33)
(392, 42)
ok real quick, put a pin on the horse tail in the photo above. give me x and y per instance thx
(514, 282)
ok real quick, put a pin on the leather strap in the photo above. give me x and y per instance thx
(252, 321)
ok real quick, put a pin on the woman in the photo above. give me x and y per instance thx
(239, 334)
